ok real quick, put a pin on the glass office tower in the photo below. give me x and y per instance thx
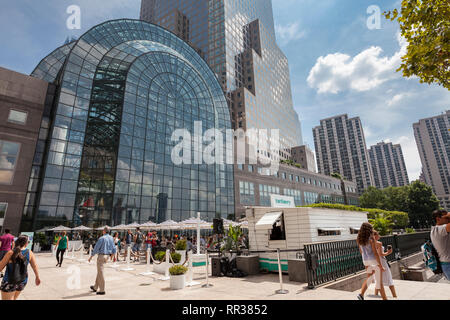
(105, 155)
(237, 39)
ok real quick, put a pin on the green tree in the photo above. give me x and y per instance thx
(421, 203)
(396, 198)
(425, 24)
(372, 198)
(382, 225)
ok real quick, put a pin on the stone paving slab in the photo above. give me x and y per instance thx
(57, 284)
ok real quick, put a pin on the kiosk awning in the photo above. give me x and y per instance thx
(267, 220)
(331, 229)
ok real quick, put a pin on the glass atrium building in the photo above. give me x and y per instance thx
(104, 154)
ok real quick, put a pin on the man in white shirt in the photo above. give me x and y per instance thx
(440, 236)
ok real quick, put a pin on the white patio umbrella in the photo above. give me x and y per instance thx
(119, 227)
(168, 225)
(82, 228)
(133, 225)
(101, 228)
(43, 229)
(244, 224)
(148, 225)
(60, 229)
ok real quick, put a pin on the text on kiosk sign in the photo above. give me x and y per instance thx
(278, 201)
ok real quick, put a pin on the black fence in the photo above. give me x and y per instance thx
(329, 261)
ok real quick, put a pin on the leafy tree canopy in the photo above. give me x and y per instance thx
(425, 24)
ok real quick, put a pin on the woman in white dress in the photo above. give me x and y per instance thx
(387, 276)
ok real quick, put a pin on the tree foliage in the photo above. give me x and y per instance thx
(425, 24)
(382, 224)
(421, 203)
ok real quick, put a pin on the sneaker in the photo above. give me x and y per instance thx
(360, 297)
(101, 293)
(92, 288)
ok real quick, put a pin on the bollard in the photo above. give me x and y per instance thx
(281, 291)
(90, 252)
(167, 262)
(207, 284)
(190, 274)
(128, 267)
(148, 272)
(81, 253)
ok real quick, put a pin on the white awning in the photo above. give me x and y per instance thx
(267, 221)
(332, 229)
(356, 228)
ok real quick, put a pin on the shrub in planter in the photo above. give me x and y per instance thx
(178, 270)
(160, 256)
(177, 277)
(181, 245)
(176, 257)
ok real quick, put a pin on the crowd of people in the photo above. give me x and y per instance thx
(15, 255)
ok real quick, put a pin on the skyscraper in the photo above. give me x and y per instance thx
(341, 148)
(388, 165)
(433, 141)
(237, 39)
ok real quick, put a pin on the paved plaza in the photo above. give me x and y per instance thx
(60, 283)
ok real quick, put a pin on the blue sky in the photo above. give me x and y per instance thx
(337, 64)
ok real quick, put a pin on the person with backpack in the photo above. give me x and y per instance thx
(16, 276)
(440, 238)
(61, 244)
(138, 239)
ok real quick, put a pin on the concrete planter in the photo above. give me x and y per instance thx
(177, 282)
(161, 268)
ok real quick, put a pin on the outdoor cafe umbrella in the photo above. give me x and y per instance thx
(60, 229)
(101, 228)
(119, 227)
(82, 228)
(148, 225)
(168, 225)
(133, 225)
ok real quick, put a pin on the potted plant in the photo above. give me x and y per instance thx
(176, 257)
(160, 265)
(177, 277)
(180, 248)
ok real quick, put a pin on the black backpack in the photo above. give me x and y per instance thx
(18, 270)
(139, 238)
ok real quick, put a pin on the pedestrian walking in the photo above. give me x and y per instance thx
(16, 262)
(61, 246)
(104, 248)
(128, 240)
(138, 240)
(371, 259)
(6, 244)
(440, 237)
(387, 275)
(117, 244)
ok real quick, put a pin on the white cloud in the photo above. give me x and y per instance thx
(289, 32)
(367, 70)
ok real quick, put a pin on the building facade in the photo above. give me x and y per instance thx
(304, 156)
(237, 39)
(255, 187)
(122, 89)
(433, 142)
(24, 101)
(388, 165)
(341, 148)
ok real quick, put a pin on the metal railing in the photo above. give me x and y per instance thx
(329, 261)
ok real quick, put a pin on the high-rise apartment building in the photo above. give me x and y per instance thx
(341, 148)
(433, 141)
(388, 165)
(304, 156)
(237, 39)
